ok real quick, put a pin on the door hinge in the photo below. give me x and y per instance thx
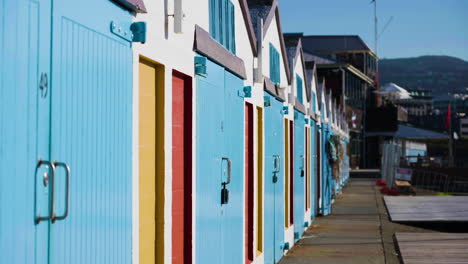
(200, 66)
(246, 92)
(131, 32)
(285, 110)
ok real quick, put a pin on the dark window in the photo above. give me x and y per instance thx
(274, 65)
(299, 88)
(314, 106)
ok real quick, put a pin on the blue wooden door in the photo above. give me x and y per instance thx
(313, 168)
(219, 143)
(25, 169)
(274, 182)
(299, 174)
(91, 133)
(326, 173)
(232, 221)
(209, 145)
(69, 101)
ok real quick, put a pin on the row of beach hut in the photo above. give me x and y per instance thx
(176, 131)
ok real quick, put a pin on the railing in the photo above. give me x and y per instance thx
(431, 162)
(444, 180)
(430, 180)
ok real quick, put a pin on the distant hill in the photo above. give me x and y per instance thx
(440, 74)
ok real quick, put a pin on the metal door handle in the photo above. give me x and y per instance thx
(40, 218)
(229, 170)
(277, 163)
(67, 191)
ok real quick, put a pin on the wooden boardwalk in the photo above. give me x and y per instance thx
(427, 208)
(440, 248)
(350, 235)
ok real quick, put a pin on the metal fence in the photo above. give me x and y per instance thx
(391, 152)
(449, 180)
(428, 173)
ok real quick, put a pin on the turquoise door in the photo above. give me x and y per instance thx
(313, 168)
(299, 174)
(219, 162)
(67, 109)
(327, 183)
(91, 133)
(274, 181)
(24, 130)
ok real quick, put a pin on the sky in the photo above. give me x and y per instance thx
(418, 27)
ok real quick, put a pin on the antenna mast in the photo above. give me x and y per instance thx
(375, 26)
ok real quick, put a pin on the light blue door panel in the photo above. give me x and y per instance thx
(313, 168)
(71, 105)
(327, 183)
(91, 133)
(209, 142)
(232, 220)
(299, 173)
(24, 130)
(274, 182)
(219, 141)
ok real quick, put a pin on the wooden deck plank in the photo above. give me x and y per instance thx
(427, 208)
(441, 248)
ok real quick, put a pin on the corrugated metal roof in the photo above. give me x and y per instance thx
(414, 132)
(409, 132)
(320, 90)
(333, 43)
(291, 43)
(291, 53)
(256, 12)
(310, 75)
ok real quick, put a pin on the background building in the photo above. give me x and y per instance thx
(349, 67)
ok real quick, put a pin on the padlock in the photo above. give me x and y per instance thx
(224, 195)
(302, 173)
(275, 178)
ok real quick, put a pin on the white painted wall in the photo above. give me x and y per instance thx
(298, 69)
(273, 36)
(313, 85)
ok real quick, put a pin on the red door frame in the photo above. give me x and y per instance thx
(181, 168)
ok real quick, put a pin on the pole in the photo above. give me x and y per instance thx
(376, 39)
(451, 160)
(375, 27)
